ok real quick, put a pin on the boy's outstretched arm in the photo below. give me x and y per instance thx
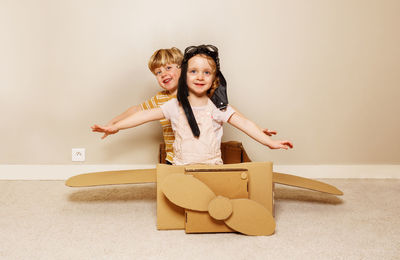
(252, 130)
(136, 119)
(130, 111)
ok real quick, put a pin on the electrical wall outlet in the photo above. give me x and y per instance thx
(78, 154)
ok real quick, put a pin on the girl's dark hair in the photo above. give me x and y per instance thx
(219, 98)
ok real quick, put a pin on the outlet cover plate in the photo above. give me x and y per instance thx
(78, 154)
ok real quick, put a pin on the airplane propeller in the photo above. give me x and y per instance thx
(243, 215)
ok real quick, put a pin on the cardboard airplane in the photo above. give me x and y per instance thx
(235, 197)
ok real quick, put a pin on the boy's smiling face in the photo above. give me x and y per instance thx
(168, 77)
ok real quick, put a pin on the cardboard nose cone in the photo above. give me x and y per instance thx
(220, 208)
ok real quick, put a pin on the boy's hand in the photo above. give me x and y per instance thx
(277, 144)
(107, 130)
(269, 132)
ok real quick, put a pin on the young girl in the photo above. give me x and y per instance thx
(195, 118)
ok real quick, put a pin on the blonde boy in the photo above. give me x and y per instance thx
(165, 65)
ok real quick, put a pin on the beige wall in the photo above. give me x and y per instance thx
(325, 74)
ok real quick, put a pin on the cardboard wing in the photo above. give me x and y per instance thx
(112, 177)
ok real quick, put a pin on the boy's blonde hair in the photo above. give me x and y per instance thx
(163, 57)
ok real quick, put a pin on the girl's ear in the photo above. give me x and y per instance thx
(214, 86)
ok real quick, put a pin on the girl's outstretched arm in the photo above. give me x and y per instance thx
(265, 130)
(125, 114)
(136, 119)
(128, 112)
(252, 130)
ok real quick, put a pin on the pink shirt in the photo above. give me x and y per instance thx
(189, 149)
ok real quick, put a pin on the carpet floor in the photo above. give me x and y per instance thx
(47, 220)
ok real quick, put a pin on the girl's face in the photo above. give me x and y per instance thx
(200, 75)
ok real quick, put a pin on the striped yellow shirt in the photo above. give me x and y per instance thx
(155, 102)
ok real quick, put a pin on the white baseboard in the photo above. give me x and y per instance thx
(63, 172)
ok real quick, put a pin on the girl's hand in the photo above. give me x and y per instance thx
(277, 144)
(107, 130)
(269, 132)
